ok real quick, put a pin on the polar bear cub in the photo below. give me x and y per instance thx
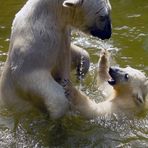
(128, 87)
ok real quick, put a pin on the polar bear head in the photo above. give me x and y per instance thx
(130, 82)
(91, 16)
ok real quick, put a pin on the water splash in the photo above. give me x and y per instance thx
(108, 46)
(81, 74)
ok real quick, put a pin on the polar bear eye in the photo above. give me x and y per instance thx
(103, 18)
(126, 76)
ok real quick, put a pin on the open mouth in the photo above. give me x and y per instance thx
(112, 80)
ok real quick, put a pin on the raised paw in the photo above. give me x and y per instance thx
(104, 59)
(104, 53)
(103, 67)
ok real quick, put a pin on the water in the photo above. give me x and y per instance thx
(129, 45)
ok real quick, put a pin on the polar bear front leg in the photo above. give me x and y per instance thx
(62, 68)
(80, 102)
(103, 67)
(42, 88)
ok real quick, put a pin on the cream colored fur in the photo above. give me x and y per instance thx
(128, 96)
(40, 51)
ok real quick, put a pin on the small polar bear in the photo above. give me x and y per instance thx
(40, 52)
(128, 89)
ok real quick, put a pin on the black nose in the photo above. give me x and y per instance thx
(102, 33)
(114, 69)
(111, 70)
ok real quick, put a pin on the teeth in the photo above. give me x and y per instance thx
(112, 82)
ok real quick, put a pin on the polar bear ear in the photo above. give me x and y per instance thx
(72, 3)
(140, 99)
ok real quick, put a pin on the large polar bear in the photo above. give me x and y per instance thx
(127, 88)
(40, 53)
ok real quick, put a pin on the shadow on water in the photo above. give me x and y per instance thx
(129, 46)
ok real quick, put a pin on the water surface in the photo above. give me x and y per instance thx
(129, 44)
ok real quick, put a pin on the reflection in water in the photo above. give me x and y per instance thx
(129, 46)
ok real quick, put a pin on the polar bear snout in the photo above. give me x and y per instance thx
(112, 72)
(103, 30)
(117, 76)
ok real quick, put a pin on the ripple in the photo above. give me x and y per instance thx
(134, 16)
(2, 27)
(121, 28)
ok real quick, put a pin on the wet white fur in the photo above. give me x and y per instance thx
(40, 50)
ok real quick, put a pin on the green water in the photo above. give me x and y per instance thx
(130, 41)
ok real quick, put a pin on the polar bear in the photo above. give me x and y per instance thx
(128, 88)
(40, 52)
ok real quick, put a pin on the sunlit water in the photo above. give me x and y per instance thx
(129, 46)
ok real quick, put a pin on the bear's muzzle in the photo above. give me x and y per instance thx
(103, 32)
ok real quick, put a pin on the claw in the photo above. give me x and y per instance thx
(64, 82)
(67, 93)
